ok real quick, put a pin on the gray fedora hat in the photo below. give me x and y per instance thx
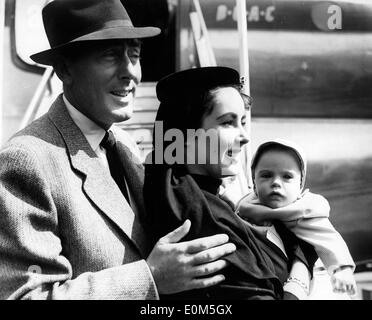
(73, 21)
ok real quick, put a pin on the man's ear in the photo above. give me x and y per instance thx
(62, 67)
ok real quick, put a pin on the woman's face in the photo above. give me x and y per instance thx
(225, 128)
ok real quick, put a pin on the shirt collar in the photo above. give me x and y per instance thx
(92, 132)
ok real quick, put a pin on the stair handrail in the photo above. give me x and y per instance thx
(201, 36)
(241, 8)
(206, 57)
(34, 105)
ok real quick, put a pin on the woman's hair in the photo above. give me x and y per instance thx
(207, 104)
(188, 96)
(195, 107)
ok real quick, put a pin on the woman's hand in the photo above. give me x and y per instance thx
(298, 282)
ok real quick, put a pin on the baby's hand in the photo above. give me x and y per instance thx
(343, 281)
(313, 205)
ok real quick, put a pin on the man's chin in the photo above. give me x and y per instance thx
(123, 115)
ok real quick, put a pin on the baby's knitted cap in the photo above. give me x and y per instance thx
(285, 144)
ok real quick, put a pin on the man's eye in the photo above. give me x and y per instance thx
(135, 58)
(288, 176)
(134, 54)
(110, 54)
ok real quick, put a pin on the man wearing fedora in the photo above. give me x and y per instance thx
(71, 206)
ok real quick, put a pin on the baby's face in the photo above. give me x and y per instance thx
(277, 178)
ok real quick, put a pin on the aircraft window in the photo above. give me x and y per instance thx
(29, 34)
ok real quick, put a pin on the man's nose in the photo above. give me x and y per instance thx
(128, 70)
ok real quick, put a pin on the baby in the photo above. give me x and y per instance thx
(278, 173)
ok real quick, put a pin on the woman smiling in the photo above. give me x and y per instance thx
(209, 101)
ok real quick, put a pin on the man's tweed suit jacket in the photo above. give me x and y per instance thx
(66, 231)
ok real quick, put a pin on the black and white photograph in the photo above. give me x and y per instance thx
(187, 151)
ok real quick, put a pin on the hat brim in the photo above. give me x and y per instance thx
(46, 57)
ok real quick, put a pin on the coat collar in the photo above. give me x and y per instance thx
(92, 131)
(98, 185)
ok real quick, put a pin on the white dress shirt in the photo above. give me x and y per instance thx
(94, 135)
(92, 132)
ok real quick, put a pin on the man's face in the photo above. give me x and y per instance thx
(277, 178)
(102, 81)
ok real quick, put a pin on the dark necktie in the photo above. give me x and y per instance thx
(116, 167)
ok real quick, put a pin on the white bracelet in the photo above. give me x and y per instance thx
(302, 284)
(296, 290)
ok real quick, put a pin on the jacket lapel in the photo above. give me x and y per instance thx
(98, 185)
(134, 177)
(134, 173)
